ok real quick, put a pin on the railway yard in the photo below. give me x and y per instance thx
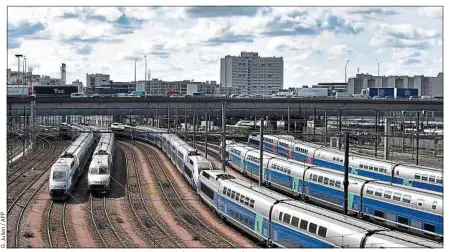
(148, 205)
(150, 199)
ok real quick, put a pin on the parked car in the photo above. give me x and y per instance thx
(78, 95)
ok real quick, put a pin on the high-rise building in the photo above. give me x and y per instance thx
(252, 74)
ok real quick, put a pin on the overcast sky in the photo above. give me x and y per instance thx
(187, 43)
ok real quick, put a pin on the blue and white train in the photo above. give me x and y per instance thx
(186, 158)
(283, 222)
(419, 211)
(421, 177)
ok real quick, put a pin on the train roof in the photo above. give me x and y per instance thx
(331, 217)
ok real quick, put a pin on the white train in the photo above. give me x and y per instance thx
(186, 158)
(66, 171)
(101, 164)
(277, 220)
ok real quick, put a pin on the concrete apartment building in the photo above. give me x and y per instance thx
(252, 74)
(426, 85)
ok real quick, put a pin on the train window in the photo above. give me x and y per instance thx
(386, 170)
(252, 203)
(294, 221)
(334, 158)
(247, 201)
(303, 224)
(228, 193)
(397, 173)
(439, 180)
(288, 171)
(280, 216)
(379, 192)
(237, 196)
(312, 228)
(310, 176)
(420, 202)
(417, 176)
(361, 165)
(406, 198)
(337, 184)
(322, 231)
(326, 180)
(320, 179)
(366, 167)
(429, 227)
(424, 177)
(388, 194)
(191, 162)
(434, 205)
(286, 218)
(402, 220)
(332, 182)
(342, 160)
(224, 190)
(370, 190)
(431, 179)
(381, 169)
(242, 199)
(233, 194)
(314, 177)
(397, 196)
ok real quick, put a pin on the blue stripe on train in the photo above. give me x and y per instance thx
(370, 205)
(280, 234)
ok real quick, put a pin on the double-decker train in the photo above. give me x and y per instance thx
(393, 172)
(277, 220)
(268, 216)
(416, 210)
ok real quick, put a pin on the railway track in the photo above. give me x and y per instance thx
(21, 194)
(22, 166)
(207, 236)
(57, 236)
(158, 236)
(103, 227)
(16, 146)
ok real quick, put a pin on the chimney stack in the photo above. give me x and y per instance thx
(63, 74)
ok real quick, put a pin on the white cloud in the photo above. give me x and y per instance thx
(339, 50)
(178, 48)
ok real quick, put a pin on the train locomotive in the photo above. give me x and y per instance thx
(101, 165)
(66, 171)
(284, 222)
(393, 172)
(415, 210)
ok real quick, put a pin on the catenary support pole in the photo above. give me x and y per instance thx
(261, 151)
(288, 120)
(346, 183)
(223, 136)
(340, 129)
(205, 133)
(194, 118)
(376, 133)
(185, 124)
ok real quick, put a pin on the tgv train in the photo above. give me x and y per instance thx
(281, 221)
(416, 210)
(66, 171)
(398, 173)
(185, 157)
(101, 164)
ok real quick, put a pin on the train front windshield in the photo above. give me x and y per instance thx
(59, 176)
(99, 170)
